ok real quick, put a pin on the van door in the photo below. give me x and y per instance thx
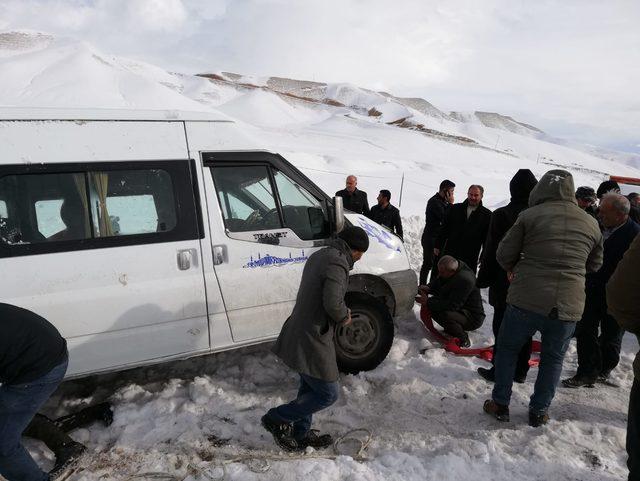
(266, 220)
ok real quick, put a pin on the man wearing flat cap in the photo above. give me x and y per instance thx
(305, 343)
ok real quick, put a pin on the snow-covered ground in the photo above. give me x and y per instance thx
(424, 410)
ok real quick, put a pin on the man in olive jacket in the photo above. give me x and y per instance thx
(546, 255)
(306, 343)
(622, 299)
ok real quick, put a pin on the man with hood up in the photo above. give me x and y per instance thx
(494, 277)
(546, 255)
(305, 343)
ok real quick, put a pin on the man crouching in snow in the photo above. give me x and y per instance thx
(306, 344)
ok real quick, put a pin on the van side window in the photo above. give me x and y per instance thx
(246, 197)
(128, 202)
(302, 212)
(44, 208)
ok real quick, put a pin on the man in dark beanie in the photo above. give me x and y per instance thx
(494, 277)
(586, 198)
(305, 343)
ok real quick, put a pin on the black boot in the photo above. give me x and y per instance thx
(578, 381)
(537, 420)
(66, 457)
(282, 433)
(315, 440)
(487, 374)
(464, 340)
(498, 411)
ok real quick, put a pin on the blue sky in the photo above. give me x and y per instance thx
(569, 67)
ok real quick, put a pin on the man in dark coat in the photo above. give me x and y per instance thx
(436, 211)
(455, 302)
(306, 343)
(586, 198)
(386, 214)
(599, 355)
(465, 229)
(33, 362)
(353, 199)
(494, 277)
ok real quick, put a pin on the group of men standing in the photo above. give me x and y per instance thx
(548, 259)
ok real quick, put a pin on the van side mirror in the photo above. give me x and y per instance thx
(338, 214)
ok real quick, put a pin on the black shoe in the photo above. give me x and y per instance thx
(282, 433)
(520, 379)
(537, 420)
(487, 374)
(578, 381)
(315, 440)
(498, 411)
(603, 377)
(66, 457)
(464, 340)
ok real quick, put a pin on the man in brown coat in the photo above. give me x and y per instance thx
(622, 299)
(306, 343)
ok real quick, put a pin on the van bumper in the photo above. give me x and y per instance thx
(404, 285)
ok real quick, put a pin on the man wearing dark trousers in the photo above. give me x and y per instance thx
(454, 300)
(33, 362)
(465, 229)
(622, 299)
(436, 211)
(494, 277)
(599, 355)
(386, 214)
(305, 343)
(354, 199)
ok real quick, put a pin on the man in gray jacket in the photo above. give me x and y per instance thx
(545, 255)
(306, 344)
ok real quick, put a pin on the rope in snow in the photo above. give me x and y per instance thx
(259, 462)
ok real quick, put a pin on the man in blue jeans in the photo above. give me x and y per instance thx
(306, 344)
(546, 254)
(33, 362)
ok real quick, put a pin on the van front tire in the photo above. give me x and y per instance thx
(365, 343)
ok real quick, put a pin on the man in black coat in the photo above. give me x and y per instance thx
(465, 229)
(599, 355)
(353, 199)
(33, 362)
(386, 214)
(435, 214)
(455, 302)
(494, 277)
(305, 343)
(586, 198)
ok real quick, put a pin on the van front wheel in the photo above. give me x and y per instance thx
(365, 342)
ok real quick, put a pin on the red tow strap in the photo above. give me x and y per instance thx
(452, 344)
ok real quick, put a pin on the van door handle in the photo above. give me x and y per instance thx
(219, 255)
(184, 260)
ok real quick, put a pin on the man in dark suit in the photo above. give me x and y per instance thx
(435, 213)
(353, 199)
(465, 229)
(386, 214)
(599, 355)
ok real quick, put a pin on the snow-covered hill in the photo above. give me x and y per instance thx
(425, 410)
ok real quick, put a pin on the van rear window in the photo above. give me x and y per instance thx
(56, 208)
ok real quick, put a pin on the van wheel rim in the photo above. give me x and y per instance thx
(358, 338)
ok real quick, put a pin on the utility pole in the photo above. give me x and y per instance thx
(401, 187)
(497, 140)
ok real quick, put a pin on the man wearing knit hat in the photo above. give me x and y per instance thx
(305, 343)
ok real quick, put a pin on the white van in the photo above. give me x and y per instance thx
(149, 236)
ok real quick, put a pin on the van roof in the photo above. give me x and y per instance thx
(30, 113)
